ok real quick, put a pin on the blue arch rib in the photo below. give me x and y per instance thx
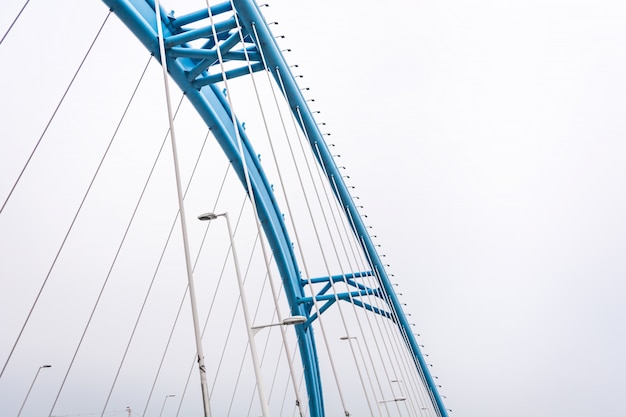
(139, 16)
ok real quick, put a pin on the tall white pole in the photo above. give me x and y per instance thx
(246, 315)
(183, 223)
(31, 387)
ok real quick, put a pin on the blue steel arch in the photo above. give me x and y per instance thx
(188, 68)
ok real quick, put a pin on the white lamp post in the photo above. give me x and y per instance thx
(183, 218)
(246, 315)
(358, 368)
(164, 401)
(287, 321)
(251, 330)
(31, 387)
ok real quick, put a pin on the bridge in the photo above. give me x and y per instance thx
(177, 232)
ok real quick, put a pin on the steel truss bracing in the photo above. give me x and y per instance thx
(193, 55)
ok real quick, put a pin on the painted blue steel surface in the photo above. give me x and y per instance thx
(139, 16)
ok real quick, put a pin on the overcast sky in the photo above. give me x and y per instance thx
(486, 141)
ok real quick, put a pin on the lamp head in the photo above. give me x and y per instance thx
(288, 321)
(207, 216)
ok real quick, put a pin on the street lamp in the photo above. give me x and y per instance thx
(287, 321)
(164, 401)
(393, 400)
(400, 383)
(358, 369)
(246, 315)
(31, 387)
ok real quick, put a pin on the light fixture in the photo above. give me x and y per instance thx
(287, 321)
(31, 387)
(393, 400)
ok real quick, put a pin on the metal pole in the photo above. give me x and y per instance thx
(246, 315)
(31, 387)
(164, 401)
(358, 368)
(183, 224)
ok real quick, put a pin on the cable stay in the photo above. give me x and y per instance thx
(248, 219)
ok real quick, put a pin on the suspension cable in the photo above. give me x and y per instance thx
(367, 316)
(260, 387)
(30, 157)
(357, 267)
(391, 334)
(145, 300)
(278, 313)
(106, 280)
(14, 21)
(321, 171)
(43, 285)
(304, 263)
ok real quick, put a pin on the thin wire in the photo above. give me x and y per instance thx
(283, 331)
(367, 316)
(322, 173)
(256, 312)
(30, 312)
(265, 347)
(322, 251)
(193, 362)
(304, 264)
(338, 208)
(376, 303)
(245, 352)
(106, 280)
(124, 238)
(386, 324)
(269, 137)
(14, 21)
(419, 388)
(397, 332)
(421, 392)
(246, 172)
(359, 267)
(184, 296)
(19, 177)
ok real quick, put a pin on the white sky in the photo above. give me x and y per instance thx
(486, 142)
